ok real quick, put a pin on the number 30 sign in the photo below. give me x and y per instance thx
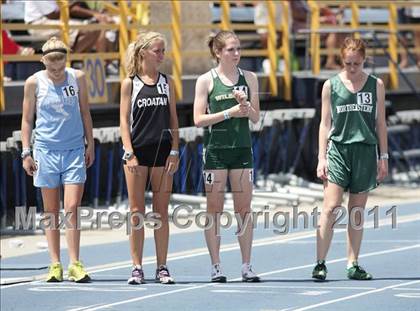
(95, 77)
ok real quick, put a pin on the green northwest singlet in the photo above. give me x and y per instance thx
(353, 114)
(231, 133)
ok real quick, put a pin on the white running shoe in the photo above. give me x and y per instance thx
(217, 275)
(248, 275)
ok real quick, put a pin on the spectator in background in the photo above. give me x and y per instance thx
(301, 15)
(409, 15)
(47, 12)
(10, 47)
(261, 19)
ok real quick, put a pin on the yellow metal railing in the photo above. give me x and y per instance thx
(315, 36)
(176, 48)
(225, 18)
(64, 16)
(123, 36)
(272, 46)
(355, 17)
(393, 45)
(285, 51)
(139, 12)
(391, 26)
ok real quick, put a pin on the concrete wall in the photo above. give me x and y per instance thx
(192, 12)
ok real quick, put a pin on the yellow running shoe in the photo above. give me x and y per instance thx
(55, 273)
(77, 273)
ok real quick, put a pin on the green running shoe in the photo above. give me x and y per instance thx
(356, 272)
(320, 271)
(55, 273)
(77, 273)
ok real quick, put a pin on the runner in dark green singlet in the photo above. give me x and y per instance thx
(351, 131)
(226, 98)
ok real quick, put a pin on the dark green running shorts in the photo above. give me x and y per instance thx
(352, 166)
(221, 159)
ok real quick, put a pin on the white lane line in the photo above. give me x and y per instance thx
(404, 288)
(408, 295)
(95, 307)
(343, 259)
(90, 308)
(228, 247)
(328, 302)
(296, 287)
(241, 291)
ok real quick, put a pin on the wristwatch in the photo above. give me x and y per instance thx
(128, 155)
(174, 152)
(25, 152)
(384, 156)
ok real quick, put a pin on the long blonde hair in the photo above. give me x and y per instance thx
(54, 49)
(134, 57)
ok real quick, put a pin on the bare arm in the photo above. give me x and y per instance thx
(324, 128)
(173, 121)
(125, 110)
(78, 11)
(381, 129)
(201, 118)
(172, 160)
(28, 111)
(86, 118)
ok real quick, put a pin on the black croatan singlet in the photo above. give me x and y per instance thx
(149, 120)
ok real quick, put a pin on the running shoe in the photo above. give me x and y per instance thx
(356, 272)
(137, 276)
(248, 275)
(55, 272)
(163, 276)
(77, 273)
(217, 275)
(320, 271)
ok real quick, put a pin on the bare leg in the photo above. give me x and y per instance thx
(162, 188)
(136, 185)
(72, 198)
(354, 235)
(242, 195)
(51, 201)
(331, 44)
(417, 45)
(215, 199)
(333, 195)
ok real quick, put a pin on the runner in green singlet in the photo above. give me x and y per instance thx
(351, 131)
(226, 98)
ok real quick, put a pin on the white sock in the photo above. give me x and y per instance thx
(245, 266)
(350, 264)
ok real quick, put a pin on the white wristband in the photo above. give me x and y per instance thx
(226, 115)
(174, 153)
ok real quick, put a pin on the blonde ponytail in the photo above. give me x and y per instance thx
(134, 51)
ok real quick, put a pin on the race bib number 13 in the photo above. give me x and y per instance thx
(364, 98)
